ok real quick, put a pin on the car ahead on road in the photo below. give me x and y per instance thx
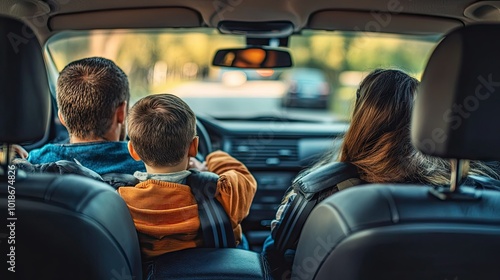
(169, 46)
(306, 87)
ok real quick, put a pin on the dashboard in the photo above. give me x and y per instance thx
(274, 151)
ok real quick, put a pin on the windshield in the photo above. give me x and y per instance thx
(321, 85)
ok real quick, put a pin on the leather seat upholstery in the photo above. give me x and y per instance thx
(400, 232)
(63, 227)
(209, 264)
(408, 232)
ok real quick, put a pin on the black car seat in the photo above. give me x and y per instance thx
(53, 226)
(420, 232)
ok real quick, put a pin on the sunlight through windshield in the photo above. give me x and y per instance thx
(328, 67)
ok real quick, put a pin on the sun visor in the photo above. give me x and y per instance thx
(379, 21)
(458, 103)
(136, 18)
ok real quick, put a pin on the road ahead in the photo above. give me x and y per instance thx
(253, 98)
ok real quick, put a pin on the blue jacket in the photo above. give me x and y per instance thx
(101, 157)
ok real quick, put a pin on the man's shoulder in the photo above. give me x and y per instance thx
(46, 147)
(45, 153)
(92, 146)
(120, 147)
(102, 157)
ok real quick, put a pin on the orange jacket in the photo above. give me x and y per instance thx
(166, 214)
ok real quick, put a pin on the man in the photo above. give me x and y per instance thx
(92, 96)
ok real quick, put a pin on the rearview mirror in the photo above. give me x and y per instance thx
(253, 57)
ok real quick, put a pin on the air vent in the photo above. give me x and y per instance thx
(265, 152)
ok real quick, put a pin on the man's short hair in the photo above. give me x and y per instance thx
(88, 93)
(161, 127)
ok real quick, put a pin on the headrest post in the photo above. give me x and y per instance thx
(454, 192)
(456, 174)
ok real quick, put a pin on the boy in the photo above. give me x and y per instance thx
(162, 131)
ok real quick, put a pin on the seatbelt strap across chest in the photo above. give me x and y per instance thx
(216, 227)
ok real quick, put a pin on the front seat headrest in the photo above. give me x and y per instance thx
(458, 101)
(25, 97)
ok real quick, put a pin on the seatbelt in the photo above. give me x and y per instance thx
(216, 227)
(310, 191)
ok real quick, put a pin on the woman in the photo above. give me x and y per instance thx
(378, 144)
(378, 140)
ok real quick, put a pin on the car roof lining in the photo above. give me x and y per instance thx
(412, 17)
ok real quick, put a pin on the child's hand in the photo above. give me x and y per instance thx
(196, 164)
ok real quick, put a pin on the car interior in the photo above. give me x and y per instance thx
(233, 62)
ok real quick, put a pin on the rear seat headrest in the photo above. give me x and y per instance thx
(24, 97)
(457, 108)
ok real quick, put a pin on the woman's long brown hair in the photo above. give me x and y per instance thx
(378, 139)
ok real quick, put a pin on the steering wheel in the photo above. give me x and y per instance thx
(204, 143)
